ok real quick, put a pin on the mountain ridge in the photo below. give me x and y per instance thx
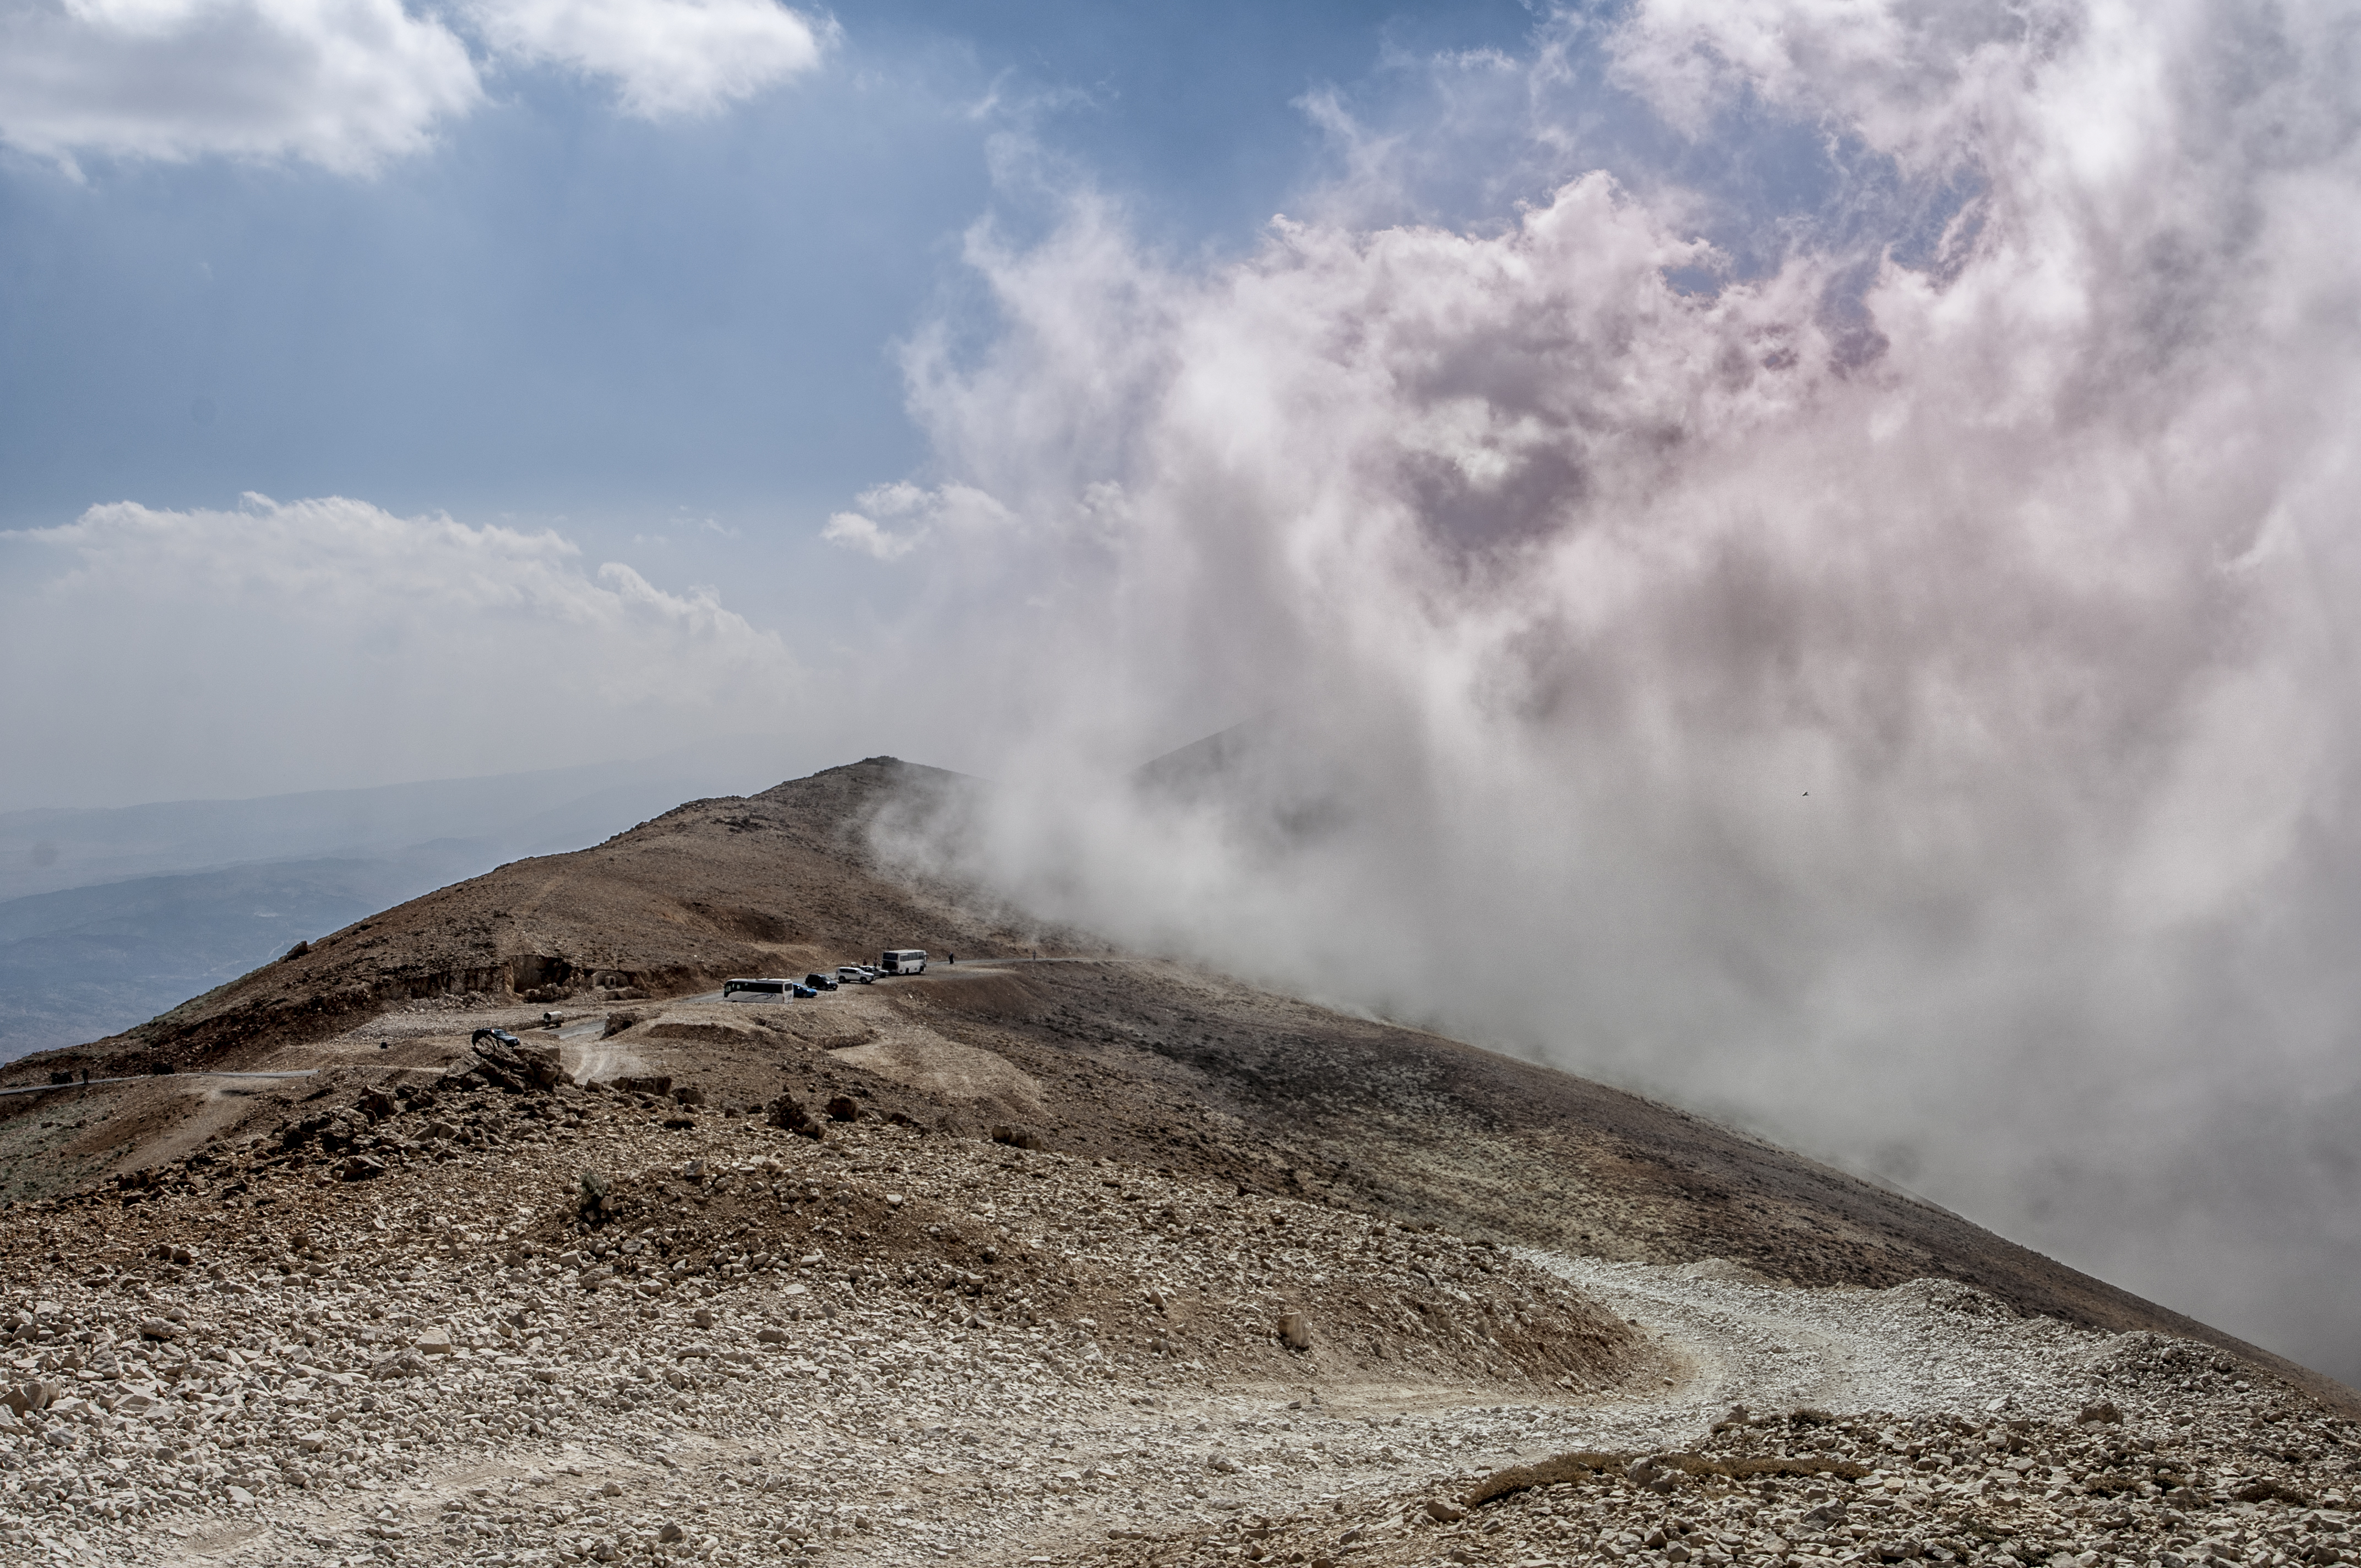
(1137, 1061)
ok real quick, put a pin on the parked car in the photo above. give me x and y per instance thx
(853, 974)
(498, 1038)
(819, 982)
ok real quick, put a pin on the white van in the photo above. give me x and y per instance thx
(903, 960)
(758, 990)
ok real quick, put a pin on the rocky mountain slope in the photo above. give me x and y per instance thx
(993, 1263)
(739, 1344)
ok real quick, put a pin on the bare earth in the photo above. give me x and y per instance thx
(1240, 1280)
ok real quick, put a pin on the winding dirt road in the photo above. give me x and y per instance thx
(1924, 1347)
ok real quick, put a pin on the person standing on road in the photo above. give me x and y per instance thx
(953, 957)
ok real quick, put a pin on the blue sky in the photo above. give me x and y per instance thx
(676, 338)
(641, 276)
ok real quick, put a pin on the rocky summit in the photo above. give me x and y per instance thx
(1061, 1256)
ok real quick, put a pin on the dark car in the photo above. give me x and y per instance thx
(498, 1038)
(819, 982)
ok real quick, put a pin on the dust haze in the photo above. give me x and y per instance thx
(1868, 661)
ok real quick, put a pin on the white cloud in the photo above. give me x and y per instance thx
(666, 57)
(343, 83)
(1888, 728)
(329, 642)
(862, 534)
(918, 514)
(859, 533)
(1906, 75)
(349, 84)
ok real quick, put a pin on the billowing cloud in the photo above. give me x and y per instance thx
(348, 84)
(1895, 697)
(343, 83)
(394, 645)
(665, 57)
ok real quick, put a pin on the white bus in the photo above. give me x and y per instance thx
(903, 960)
(758, 990)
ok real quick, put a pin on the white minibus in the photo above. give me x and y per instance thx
(758, 990)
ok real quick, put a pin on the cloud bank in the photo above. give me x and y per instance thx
(1890, 687)
(349, 84)
(458, 650)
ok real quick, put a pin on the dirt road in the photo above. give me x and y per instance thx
(1924, 1347)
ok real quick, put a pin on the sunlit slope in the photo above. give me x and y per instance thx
(713, 888)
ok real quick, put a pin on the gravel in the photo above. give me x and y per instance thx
(887, 1345)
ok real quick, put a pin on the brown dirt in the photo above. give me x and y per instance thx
(1152, 1065)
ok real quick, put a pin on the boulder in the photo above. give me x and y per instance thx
(787, 1112)
(1295, 1331)
(502, 1072)
(526, 1065)
(543, 1062)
